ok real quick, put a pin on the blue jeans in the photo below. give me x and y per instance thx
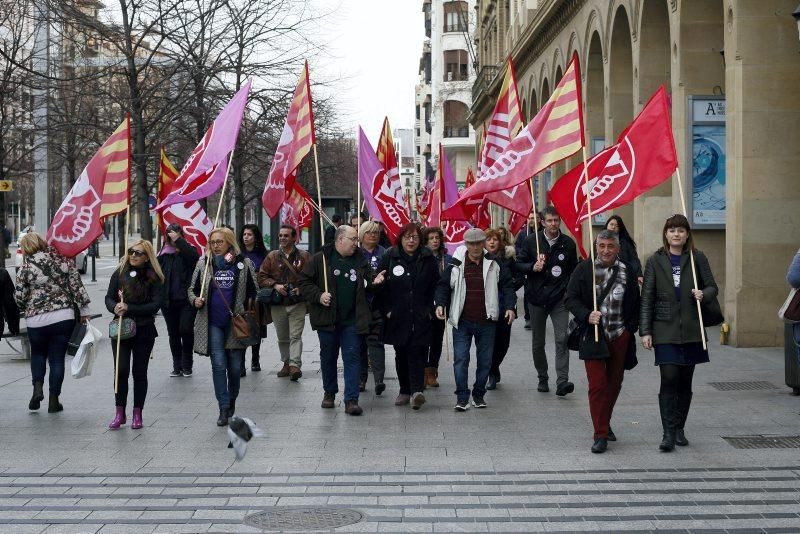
(484, 343)
(346, 338)
(226, 366)
(49, 345)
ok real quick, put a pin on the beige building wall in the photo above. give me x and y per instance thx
(747, 52)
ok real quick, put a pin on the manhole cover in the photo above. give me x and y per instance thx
(764, 442)
(303, 519)
(741, 386)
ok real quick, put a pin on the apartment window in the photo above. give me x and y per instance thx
(455, 66)
(455, 119)
(455, 16)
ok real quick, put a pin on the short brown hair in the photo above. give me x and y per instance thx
(426, 234)
(677, 221)
(411, 228)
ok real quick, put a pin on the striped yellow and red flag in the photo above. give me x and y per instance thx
(102, 189)
(167, 174)
(555, 133)
(295, 143)
(385, 151)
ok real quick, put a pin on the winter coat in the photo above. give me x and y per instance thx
(9, 312)
(508, 260)
(451, 290)
(143, 293)
(48, 281)
(793, 275)
(312, 286)
(244, 287)
(628, 254)
(578, 300)
(184, 261)
(662, 315)
(547, 287)
(406, 299)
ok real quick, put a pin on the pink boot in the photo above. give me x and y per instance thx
(137, 419)
(119, 418)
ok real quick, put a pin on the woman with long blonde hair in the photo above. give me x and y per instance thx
(135, 292)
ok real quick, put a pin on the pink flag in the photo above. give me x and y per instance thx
(206, 169)
(445, 194)
(382, 194)
(369, 168)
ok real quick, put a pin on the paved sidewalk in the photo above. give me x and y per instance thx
(523, 464)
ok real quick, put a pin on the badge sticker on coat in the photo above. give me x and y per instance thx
(240, 265)
(618, 292)
(398, 270)
(132, 274)
(556, 271)
(561, 257)
(353, 277)
(336, 272)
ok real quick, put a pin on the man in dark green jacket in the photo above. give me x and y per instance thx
(334, 284)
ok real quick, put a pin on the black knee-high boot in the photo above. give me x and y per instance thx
(666, 404)
(683, 401)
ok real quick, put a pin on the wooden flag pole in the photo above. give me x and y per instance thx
(321, 231)
(691, 261)
(591, 239)
(358, 203)
(119, 324)
(216, 223)
(535, 219)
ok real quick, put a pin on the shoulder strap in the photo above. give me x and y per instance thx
(221, 294)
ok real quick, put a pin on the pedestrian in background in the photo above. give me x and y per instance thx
(670, 325)
(177, 259)
(135, 291)
(793, 279)
(627, 251)
(330, 231)
(406, 302)
(230, 285)
(373, 354)
(251, 243)
(49, 289)
(434, 240)
(9, 311)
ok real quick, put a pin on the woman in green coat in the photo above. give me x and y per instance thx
(670, 325)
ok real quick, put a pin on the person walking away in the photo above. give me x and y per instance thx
(373, 354)
(334, 284)
(503, 253)
(177, 259)
(230, 289)
(281, 271)
(471, 287)
(617, 319)
(523, 234)
(669, 323)
(251, 243)
(9, 311)
(434, 240)
(135, 291)
(627, 251)
(547, 278)
(793, 279)
(48, 292)
(406, 302)
(330, 231)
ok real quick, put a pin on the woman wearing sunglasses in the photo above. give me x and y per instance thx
(135, 292)
(230, 283)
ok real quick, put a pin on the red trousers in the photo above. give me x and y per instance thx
(605, 383)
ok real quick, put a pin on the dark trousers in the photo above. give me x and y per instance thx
(138, 349)
(373, 354)
(349, 341)
(181, 340)
(255, 358)
(502, 338)
(49, 346)
(437, 336)
(605, 382)
(409, 361)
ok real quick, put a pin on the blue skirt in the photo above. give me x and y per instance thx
(685, 354)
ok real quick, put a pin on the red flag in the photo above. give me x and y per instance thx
(643, 157)
(516, 221)
(389, 182)
(555, 133)
(102, 189)
(189, 215)
(296, 141)
(424, 203)
(385, 194)
(481, 217)
(297, 209)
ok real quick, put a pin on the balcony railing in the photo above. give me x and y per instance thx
(455, 28)
(456, 131)
(485, 78)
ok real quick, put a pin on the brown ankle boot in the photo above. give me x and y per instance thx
(431, 377)
(285, 371)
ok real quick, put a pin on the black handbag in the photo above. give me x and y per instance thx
(268, 296)
(712, 312)
(78, 333)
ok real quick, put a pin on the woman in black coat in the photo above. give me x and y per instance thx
(627, 245)
(406, 302)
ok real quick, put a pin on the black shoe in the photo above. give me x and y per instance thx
(38, 396)
(462, 405)
(543, 387)
(680, 438)
(176, 373)
(611, 435)
(565, 388)
(478, 402)
(256, 367)
(232, 408)
(362, 386)
(492, 384)
(380, 388)
(243, 373)
(600, 446)
(527, 324)
(187, 372)
(54, 406)
(222, 420)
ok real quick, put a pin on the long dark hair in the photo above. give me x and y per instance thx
(622, 232)
(259, 247)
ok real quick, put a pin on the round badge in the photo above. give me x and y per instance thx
(561, 257)
(352, 278)
(618, 291)
(556, 271)
(133, 274)
(240, 265)
(336, 272)
(398, 270)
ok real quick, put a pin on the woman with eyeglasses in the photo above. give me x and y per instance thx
(373, 354)
(407, 305)
(251, 243)
(136, 292)
(433, 239)
(230, 286)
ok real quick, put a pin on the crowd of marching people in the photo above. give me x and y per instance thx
(362, 293)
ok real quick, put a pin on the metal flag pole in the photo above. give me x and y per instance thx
(321, 232)
(691, 261)
(216, 222)
(591, 239)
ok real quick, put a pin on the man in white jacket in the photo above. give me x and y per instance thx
(470, 287)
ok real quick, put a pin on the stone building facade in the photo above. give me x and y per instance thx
(732, 68)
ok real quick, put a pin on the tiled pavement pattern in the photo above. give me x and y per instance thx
(523, 464)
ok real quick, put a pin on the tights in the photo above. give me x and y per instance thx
(676, 379)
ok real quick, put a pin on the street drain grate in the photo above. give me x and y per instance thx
(764, 442)
(742, 386)
(303, 519)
